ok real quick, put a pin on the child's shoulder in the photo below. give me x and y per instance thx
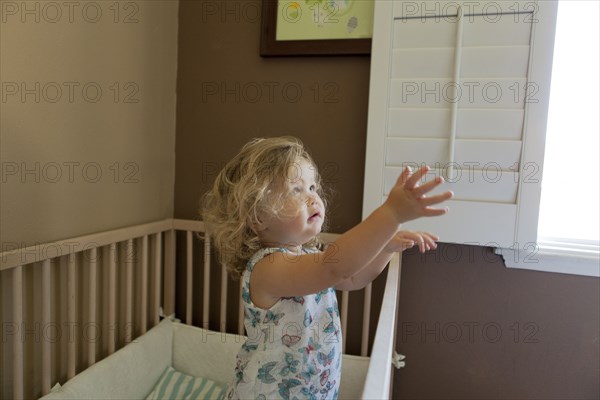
(311, 250)
(262, 253)
(270, 251)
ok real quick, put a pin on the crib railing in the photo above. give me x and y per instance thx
(380, 375)
(51, 337)
(117, 285)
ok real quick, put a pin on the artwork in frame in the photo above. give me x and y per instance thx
(316, 27)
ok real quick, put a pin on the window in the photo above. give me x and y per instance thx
(573, 130)
(569, 224)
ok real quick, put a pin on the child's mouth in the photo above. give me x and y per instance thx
(314, 217)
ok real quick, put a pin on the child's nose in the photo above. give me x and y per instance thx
(312, 198)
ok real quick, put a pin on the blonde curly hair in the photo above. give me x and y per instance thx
(252, 184)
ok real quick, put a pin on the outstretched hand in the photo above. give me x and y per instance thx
(407, 199)
(406, 239)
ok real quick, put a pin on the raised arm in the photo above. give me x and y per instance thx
(401, 241)
(285, 276)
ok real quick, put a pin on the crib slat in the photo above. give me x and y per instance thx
(223, 317)
(71, 314)
(112, 297)
(129, 258)
(205, 300)
(240, 311)
(169, 274)
(344, 317)
(46, 320)
(189, 262)
(17, 281)
(364, 345)
(144, 288)
(157, 274)
(93, 321)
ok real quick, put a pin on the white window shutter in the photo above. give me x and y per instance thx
(463, 87)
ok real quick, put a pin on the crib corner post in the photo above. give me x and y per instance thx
(397, 261)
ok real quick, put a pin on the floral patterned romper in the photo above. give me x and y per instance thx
(293, 350)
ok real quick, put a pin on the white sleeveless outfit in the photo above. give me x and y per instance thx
(294, 349)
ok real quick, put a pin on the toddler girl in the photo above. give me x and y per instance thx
(264, 214)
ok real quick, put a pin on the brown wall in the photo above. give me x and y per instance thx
(473, 329)
(218, 51)
(228, 94)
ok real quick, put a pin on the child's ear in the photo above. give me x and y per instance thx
(257, 225)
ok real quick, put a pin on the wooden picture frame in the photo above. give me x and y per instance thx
(270, 47)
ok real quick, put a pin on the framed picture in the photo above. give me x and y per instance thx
(316, 27)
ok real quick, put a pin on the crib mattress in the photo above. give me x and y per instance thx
(210, 354)
(131, 372)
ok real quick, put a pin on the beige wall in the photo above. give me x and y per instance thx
(76, 160)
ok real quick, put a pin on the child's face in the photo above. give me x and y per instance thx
(303, 212)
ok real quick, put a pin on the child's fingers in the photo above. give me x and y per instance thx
(429, 201)
(425, 243)
(404, 175)
(411, 236)
(431, 236)
(434, 212)
(407, 239)
(412, 182)
(425, 240)
(407, 244)
(428, 186)
(429, 240)
(417, 238)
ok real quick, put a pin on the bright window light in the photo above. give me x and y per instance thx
(570, 202)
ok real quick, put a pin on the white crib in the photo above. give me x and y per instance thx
(118, 284)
